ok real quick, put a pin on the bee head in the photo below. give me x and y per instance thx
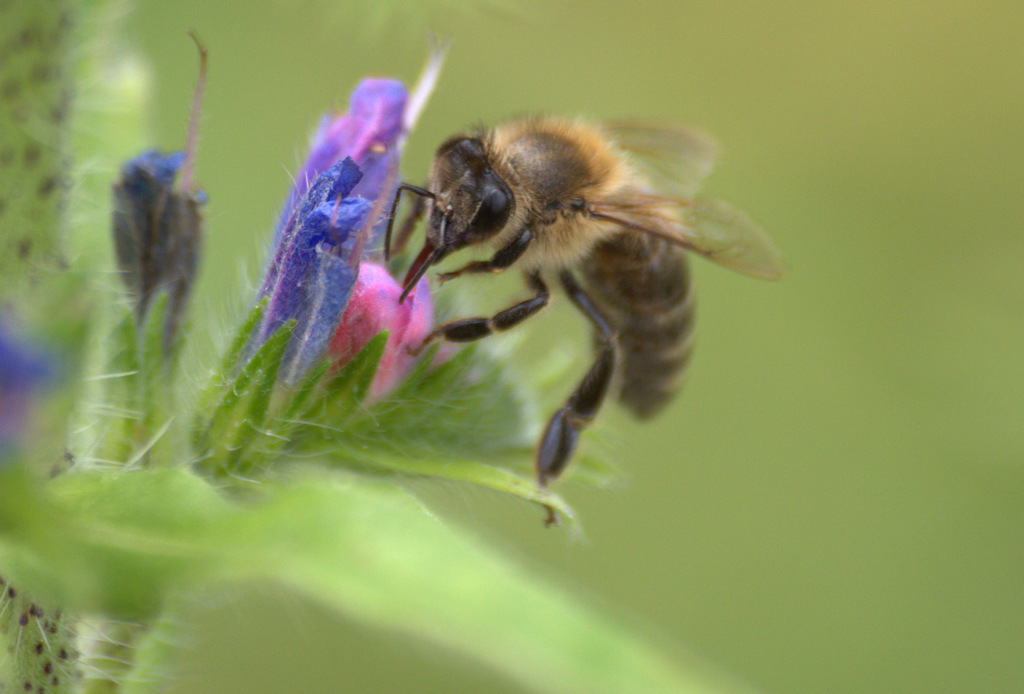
(471, 204)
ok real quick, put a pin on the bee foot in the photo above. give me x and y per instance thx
(418, 349)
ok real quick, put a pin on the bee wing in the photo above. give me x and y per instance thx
(676, 160)
(711, 228)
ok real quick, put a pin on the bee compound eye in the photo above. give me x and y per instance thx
(494, 210)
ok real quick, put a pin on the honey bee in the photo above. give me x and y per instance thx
(608, 209)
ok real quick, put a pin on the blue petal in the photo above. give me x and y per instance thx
(294, 253)
(330, 286)
(23, 369)
(315, 267)
(333, 222)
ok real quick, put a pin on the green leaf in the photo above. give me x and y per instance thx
(422, 577)
(108, 543)
(120, 544)
(464, 407)
(222, 376)
(304, 390)
(116, 407)
(458, 420)
(349, 386)
(227, 423)
(158, 380)
(461, 419)
(458, 469)
(250, 428)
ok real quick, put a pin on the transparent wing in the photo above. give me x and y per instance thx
(728, 236)
(711, 228)
(674, 159)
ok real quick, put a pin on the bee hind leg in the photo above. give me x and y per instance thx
(563, 430)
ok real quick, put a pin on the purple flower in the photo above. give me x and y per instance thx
(336, 210)
(329, 218)
(314, 267)
(370, 132)
(23, 369)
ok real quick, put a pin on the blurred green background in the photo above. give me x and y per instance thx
(836, 501)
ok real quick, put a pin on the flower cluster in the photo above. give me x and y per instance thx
(333, 215)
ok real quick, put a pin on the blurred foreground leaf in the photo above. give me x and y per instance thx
(100, 543)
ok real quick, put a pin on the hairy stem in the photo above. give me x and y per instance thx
(38, 644)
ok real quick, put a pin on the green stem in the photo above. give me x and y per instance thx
(34, 107)
(37, 643)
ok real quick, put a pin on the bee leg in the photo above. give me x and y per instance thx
(563, 430)
(419, 208)
(498, 262)
(409, 222)
(469, 329)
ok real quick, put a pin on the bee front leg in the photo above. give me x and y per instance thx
(469, 329)
(498, 262)
(419, 206)
(563, 430)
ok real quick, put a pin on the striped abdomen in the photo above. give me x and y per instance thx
(642, 286)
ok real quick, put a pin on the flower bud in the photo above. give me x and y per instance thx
(334, 213)
(157, 235)
(157, 226)
(374, 307)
